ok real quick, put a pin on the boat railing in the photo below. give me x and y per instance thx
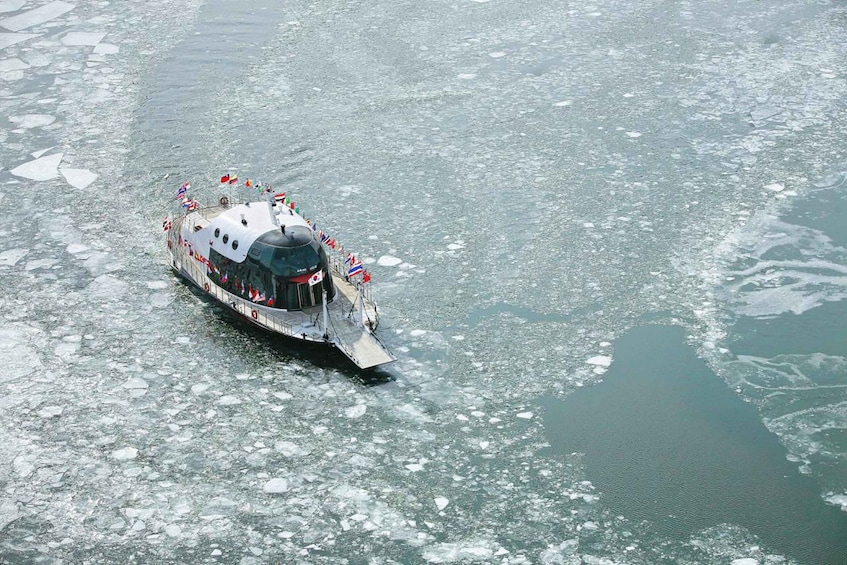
(340, 268)
(240, 305)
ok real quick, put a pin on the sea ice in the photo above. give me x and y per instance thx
(356, 411)
(775, 187)
(276, 486)
(524, 415)
(7, 39)
(78, 178)
(125, 454)
(13, 64)
(11, 5)
(441, 502)
(10, 257)
(106, 49)
(43, 168)
(600, 360)
(563, 103)
(36, 16)
(82, 38)
(497, 54)
(389, 261)
(28, 121)
(744, 561)
(838, 499)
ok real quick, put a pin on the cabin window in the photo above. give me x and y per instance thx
(235, 244)
(226, 237)
(217, 232)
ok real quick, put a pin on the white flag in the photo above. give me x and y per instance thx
(316, 278)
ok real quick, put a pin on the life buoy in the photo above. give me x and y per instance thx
(206, 287)
(254, 313)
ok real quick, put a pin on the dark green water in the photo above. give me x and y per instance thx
(666, 441)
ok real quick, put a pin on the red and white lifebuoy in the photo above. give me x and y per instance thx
(206, 287)
(254, 313)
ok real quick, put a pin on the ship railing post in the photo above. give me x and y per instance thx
(361, 308)
(325, 316)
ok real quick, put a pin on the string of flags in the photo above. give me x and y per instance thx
(354, 267)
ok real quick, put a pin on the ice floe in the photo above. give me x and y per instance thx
(276, 486)
(40, 169)
(78, 178)
(9, 39)
(28, 121)
(441, 502)
(36, 16)
(389, 261)
(11, 5)
(125, 453)
(76, 38)
(13, 64)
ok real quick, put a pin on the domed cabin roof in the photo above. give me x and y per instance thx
(288, 254)
(235, 231)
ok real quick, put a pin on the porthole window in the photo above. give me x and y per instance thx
(235, 244)
(226, 238)
(217, 232)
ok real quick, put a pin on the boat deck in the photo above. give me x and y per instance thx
(357, 342)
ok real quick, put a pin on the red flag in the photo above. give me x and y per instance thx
(248, 183)
(366, 277)
(224, 179)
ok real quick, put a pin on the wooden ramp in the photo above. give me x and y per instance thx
(354, 340)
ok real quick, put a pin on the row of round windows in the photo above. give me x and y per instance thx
(226, 238)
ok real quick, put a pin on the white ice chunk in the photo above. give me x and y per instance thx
(417, 333)
(497, 54)
(10, 257)
(441, 502)
(563, 103)
(28, 121)
(75, 248)
(388, 261)
(78, 178)
(745, 561)
(125, 454)
(7, 39)
(414, 467)
(775, 187)
(11, 5)
(276, 486)
(229, 400)
(524, 415)
(356, 411)
(51, 411)
(13, 64)
(633, 134)
(82, 38)
(838, 499)
(36, 16)
(106, 49)
(600, 360)
(43, 168)
(173, 530)
(466, 76)
(135, 383)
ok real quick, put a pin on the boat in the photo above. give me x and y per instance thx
(274, 268)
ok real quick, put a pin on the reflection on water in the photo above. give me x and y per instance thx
(666, 441)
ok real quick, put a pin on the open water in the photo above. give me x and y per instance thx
(607, 239)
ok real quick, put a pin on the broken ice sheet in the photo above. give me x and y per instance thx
(78, 178)
(36, 16)
(43, 168)
(82, 38)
